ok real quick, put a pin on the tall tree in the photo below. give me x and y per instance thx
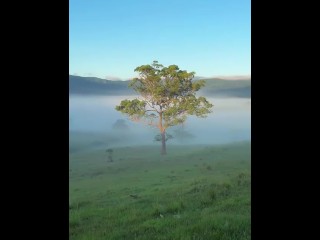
(168, 96)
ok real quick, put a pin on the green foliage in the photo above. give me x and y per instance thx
(167, 93)
(132, 107)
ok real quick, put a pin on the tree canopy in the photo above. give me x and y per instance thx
(168, 96)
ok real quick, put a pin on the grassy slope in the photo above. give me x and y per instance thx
(195, 192)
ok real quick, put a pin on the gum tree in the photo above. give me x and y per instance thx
(168, 96)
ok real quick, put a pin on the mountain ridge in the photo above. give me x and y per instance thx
(214, 87)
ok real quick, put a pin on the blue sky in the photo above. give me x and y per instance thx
(110, 38)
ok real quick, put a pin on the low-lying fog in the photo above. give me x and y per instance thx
(230, 121)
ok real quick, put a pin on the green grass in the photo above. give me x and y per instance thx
(195, 192)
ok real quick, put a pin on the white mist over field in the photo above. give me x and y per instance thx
(230, 121)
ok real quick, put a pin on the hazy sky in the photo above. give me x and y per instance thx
(110, 38)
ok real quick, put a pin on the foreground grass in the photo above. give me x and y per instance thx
(195, 192)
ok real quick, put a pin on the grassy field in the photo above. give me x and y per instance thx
(195, 192)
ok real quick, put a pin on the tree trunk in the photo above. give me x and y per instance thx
(163, 137)
(163, 134)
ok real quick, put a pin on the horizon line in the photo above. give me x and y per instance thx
(224, 77)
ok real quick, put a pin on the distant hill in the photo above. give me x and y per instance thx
(227, 88)
(215, 87)
(97, 86)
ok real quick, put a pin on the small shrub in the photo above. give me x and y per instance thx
(212, 195)
(76, 206)
(175, 207)
(156, 213)
(225, 189)
(110, 151)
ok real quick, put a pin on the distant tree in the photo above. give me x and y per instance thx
(110, 151)
(120, 124)
(158, 137)
(182, 135)
(167, 98)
